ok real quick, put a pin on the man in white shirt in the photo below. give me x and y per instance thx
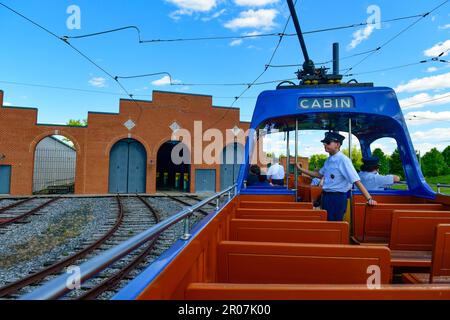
(370, 177)
(275, 174)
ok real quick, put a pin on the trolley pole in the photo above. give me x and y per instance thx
(288, 159)
(351, 190)
(296, 160)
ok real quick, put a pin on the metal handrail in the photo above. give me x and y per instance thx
(438, 185)
(59, 286)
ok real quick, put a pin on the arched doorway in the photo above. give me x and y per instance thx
(232, 159)
(127, 167)
(54, 166)
(173, 174)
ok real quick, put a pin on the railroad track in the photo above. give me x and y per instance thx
(188, 204)
(106, 282)
(133, 216)
(11, 203)
(22, 209)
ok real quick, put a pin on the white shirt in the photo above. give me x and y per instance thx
(276, 172)
(339, 173)
(375, 181)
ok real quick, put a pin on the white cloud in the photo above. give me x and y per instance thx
(435, 134)
(253, 33)
(98, 82)
(432, 69)
(7, 104)
(441, 81)
(164, 81)
(426, 117)
(215, 15)
(424, 99)
(437, 138)
(194, 5)
(361, 35)
(437, 49)
(254, 3)
(427, 146)
(188, 7)
(444, 27)
(259, 19)
(236, 42)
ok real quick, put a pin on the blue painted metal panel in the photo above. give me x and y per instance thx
(232, 159)
(205, 180)
(137, 170)
(5, 179)
(118, 168)
(127, 167)
(375, 111)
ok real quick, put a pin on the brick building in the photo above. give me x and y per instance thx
(116, 148)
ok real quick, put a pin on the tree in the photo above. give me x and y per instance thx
(317, 161)
(433, 163)
(384, 160)
(356, 157)
(395, 164)
(446, 154)
(77, 123)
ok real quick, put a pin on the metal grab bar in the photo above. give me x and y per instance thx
(437, 185)
(60, 286)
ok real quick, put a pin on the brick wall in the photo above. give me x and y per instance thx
(20, 133)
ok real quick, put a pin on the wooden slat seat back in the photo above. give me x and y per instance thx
(229, 291)
(309, 193)
(289, 231)
(440, 262)
(281, 214)
(373, 223)
(440, 265)
(265, 197)
(415, 230)
(282, 263)
(275, 205)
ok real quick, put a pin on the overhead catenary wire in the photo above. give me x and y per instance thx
(65, 40)
(241, 37)
(248, 85)
(260, 75)
(426, 101)
(396, 36)
(53, 87)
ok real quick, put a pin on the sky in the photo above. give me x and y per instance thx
(32, 56)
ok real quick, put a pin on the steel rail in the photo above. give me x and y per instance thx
(196, 198)
(57, 287)
(111, 282)
(19, 284)
(26, 214)
(18, 203)
(186, 203)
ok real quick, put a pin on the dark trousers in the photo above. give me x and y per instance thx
(278, 182)
(336, 205)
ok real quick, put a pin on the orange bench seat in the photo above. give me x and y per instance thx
(230, 291)
(282, 263)
(275, 205)
(281, 214)
(289, 231)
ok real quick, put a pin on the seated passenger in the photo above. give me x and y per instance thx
(370, 177)
(253, 175)
(275, 174)
(262, 181)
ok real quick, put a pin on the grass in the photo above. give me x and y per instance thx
(440, 179)
(432, 181)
